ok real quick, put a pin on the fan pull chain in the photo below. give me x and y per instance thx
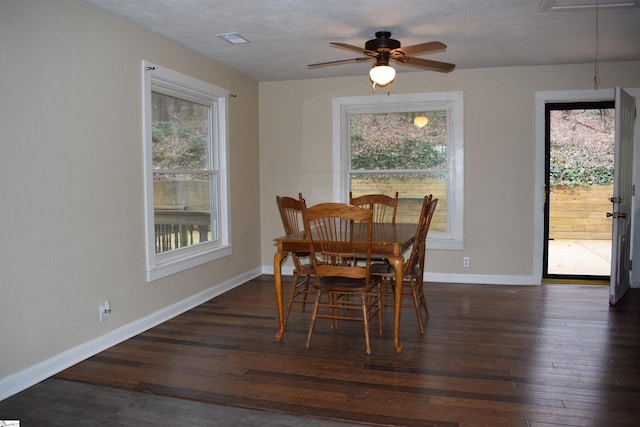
(388, 88)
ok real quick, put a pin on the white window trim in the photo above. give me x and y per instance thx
(186, 87)
(343, 107)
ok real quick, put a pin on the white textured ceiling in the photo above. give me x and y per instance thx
(287, 35)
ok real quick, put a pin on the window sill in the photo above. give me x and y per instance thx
(174, 266)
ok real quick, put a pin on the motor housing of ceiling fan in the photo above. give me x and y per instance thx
(383, 41)
(382, 59)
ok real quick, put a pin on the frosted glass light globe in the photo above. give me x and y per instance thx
(382, 75)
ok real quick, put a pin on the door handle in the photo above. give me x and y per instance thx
(616, 215)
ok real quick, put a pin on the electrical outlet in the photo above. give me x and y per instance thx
(105, 310)
(466, 262)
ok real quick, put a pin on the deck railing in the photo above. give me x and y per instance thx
(177, 227)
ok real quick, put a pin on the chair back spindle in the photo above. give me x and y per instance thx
(383, 207)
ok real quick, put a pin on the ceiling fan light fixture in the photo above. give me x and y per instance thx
(382, 75)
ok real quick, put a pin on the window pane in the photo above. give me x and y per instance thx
(185, 165)
(395, 154)
(411, 188)
(394, 141)
(409, 143)
(180, 133)
(182, 210)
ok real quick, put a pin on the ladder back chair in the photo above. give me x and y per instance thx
(344, 289)
(413, 269)
(291, 215)
(383, 207)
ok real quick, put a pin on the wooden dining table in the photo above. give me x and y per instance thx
(389, 240)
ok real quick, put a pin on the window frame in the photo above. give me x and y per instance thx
(163, 80)
(343, 107)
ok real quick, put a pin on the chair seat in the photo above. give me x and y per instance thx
(387, 270)
(341, 284)
(374, 258)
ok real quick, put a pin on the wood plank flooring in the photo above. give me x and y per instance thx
(551, 355)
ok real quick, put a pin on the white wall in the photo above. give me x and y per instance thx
(499, 130)
(71, 185)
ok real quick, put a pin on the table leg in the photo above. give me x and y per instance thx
(396, 261)
(277, 278)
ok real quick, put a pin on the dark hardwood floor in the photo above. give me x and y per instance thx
(551, 355)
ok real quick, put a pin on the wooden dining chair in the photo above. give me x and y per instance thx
(413, 267)
(291, 215)
(344, 289)
(383, 207)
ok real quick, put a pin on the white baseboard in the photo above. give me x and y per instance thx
(24, 379)
(480, 279)
(485, 279)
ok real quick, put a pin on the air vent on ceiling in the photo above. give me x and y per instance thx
(233, 38)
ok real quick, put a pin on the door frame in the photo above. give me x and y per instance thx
(568, 96)
(590, 105)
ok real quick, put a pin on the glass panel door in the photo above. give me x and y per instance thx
(580, 165)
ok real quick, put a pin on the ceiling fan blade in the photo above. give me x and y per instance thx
(429, 47)
(353, 48)
(342, 61)
(443, 67)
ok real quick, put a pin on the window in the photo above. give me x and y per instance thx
(381, 145)
(185, 147)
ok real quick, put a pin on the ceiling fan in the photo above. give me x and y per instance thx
(383, 49)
